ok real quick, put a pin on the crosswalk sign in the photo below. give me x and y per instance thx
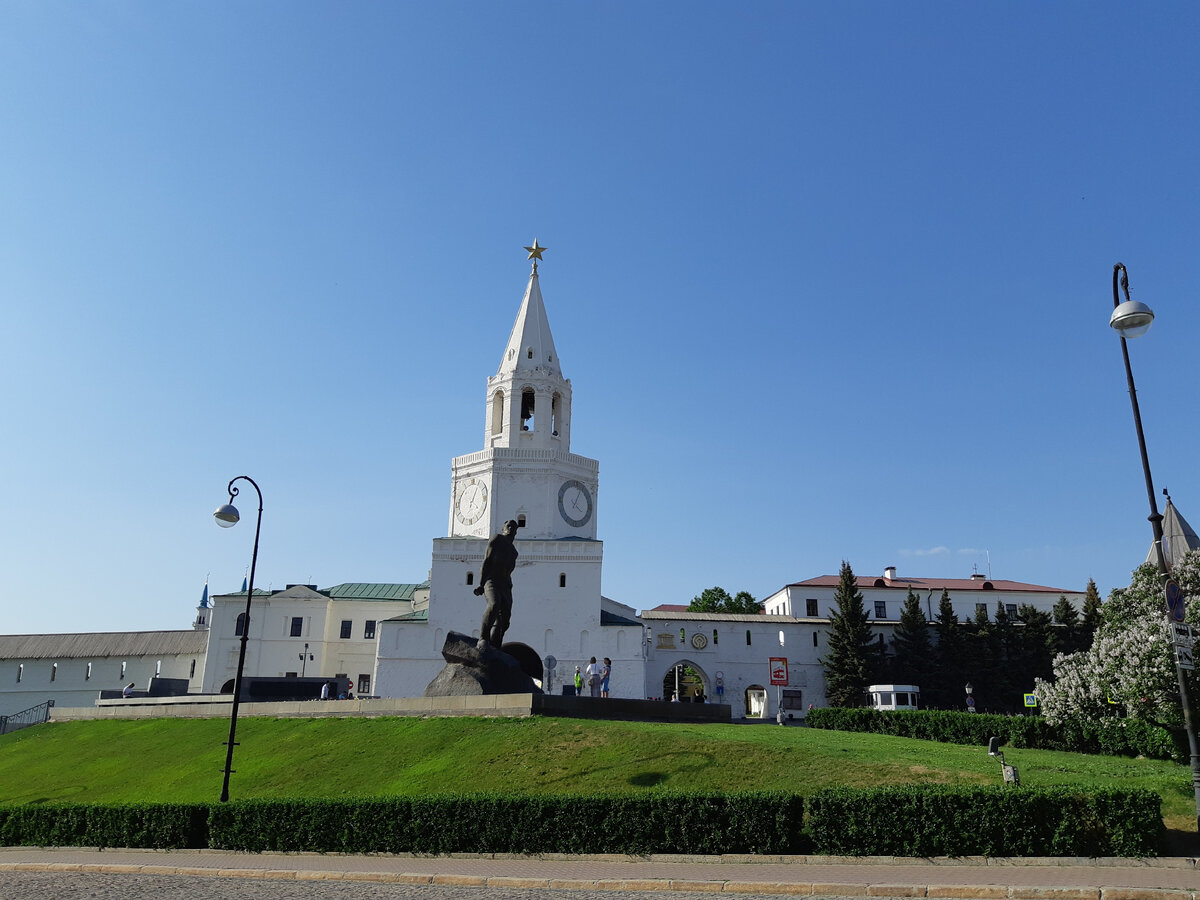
(1031, 699)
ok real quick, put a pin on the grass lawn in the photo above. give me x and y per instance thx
(183, 759)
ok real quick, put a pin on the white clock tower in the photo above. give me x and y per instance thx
(527, 472)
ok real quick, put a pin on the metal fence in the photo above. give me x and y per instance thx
(35, 715)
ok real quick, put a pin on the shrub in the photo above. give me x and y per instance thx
(1116, 737)
(919, 820)
(657, 823)
(156, 825)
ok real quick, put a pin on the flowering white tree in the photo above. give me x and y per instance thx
(1130, 662)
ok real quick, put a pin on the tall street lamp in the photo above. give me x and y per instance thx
(1132, 319)
(227, 516)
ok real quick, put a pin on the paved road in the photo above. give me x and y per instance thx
(182, 875)
(72, 886)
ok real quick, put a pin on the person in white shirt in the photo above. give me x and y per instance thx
(593, 676)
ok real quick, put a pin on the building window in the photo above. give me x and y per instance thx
(87, 675)
(747, 637)
(715, 637)
(369, 629)
(521, 520)
(297, 626)
(981, 610)
(811, 607)
(122, 670)
(157, 668)
(239, 627)
(470, 578)
(562, 579)
(290, 675)
(1011, 609)
(881, 609)
(192, 671)
(364, 684)
(53, 671)
(815, 644)
(681, 636)
(20, 672)
(347, 624)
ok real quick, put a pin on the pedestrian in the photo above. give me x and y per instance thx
(127, 691)
(593, 676)
(578, 681)
(605, 673)
(325, 691)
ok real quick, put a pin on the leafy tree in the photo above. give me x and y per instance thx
(911, 647)
(717, 600)
(1130, 659)
(854, 654)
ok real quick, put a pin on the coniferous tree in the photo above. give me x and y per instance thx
(949, 655)
(854, 654)
(1091, 615)
(1037, 641)
(1065, 638)
(911, 646)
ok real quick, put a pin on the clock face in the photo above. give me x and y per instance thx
(471, 503)
(699, 641)
(575, 503)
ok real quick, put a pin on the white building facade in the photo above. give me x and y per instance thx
(526, 472)
(304, 631)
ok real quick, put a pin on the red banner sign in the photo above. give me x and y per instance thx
(779, 672)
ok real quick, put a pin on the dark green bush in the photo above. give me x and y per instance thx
(1116, 737)
(656, 823)
(936, 820)
(157, 825)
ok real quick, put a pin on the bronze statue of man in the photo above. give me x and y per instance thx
(495, 583)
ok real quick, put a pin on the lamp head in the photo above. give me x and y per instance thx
(1131, 319)
(227, 516)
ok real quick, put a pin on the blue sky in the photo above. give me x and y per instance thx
(831, 281)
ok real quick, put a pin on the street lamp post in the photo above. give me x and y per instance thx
(1132, 319)
(227, 516)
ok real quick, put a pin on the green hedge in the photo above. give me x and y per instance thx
(923, 820)
(751, 822)
(666, 823)
(157, 825)
(1116, 737)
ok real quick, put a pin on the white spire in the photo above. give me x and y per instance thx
(530, 345)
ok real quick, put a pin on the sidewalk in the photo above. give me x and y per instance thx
(1171, 878)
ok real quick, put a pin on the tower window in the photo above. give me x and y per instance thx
(521, 520)
(297, 626)
(528, 402)
(556, 414)
(562, 579)
(239, 627)
(498, 412)
(470, 578)
(529, 353)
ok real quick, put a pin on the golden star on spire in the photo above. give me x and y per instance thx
(535, 252)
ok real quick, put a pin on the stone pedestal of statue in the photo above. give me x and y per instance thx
(473, 670)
